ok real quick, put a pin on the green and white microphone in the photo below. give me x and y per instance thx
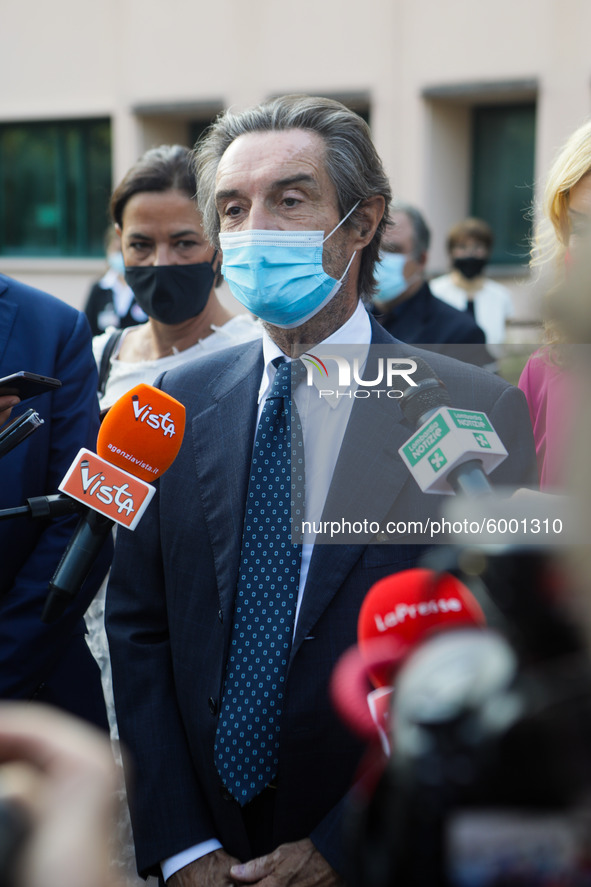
(452, 450)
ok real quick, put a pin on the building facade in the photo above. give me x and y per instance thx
(467, 103)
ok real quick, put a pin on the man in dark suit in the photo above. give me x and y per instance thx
(403, 302)
(48, 662)
(296, 195)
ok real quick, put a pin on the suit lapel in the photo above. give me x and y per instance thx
(369, 473)
(222, 434)
(360, 486)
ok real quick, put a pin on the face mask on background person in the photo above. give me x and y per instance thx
(469, 266)
(171, 293)
(278, 275)
(390, 278)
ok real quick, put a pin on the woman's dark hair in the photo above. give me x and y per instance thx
(165, 168)
(476, 229)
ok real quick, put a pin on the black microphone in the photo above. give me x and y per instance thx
(76, 562)
(54, 505)
(428, 453)
(19, 429)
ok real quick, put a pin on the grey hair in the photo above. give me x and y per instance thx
(352, 161)
(420, 229)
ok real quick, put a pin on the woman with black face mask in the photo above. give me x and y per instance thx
(469, 244)
(173, 272)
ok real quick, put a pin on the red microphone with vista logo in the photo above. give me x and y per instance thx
(138, 440)
(398, 612)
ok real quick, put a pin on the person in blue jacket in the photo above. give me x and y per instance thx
(47, 662)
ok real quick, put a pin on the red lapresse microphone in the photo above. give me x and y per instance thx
(397, 614)
(138, 440)
(409, 605)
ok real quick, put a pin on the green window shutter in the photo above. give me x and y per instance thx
(503, 140)
(55, 184)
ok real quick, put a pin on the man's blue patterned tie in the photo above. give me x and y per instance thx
(247, 740)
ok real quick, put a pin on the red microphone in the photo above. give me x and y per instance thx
(397, 614)
(409, 605)
(138, 440)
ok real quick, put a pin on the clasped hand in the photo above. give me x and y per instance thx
(298, 864)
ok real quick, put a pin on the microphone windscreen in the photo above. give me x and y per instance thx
(429, 393)
(142, 432)
(409, 605)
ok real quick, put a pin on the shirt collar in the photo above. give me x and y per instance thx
(355, 331)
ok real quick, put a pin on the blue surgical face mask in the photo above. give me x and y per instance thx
(278, 275)
(390, 278)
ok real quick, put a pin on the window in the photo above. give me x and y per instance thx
(55, 183)
(197, 129)
(503, 138)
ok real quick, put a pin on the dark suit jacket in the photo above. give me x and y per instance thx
(42, 334)
(170, 604)
(425, 320)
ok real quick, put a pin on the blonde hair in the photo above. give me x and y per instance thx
(572, 162)
(553, 232)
